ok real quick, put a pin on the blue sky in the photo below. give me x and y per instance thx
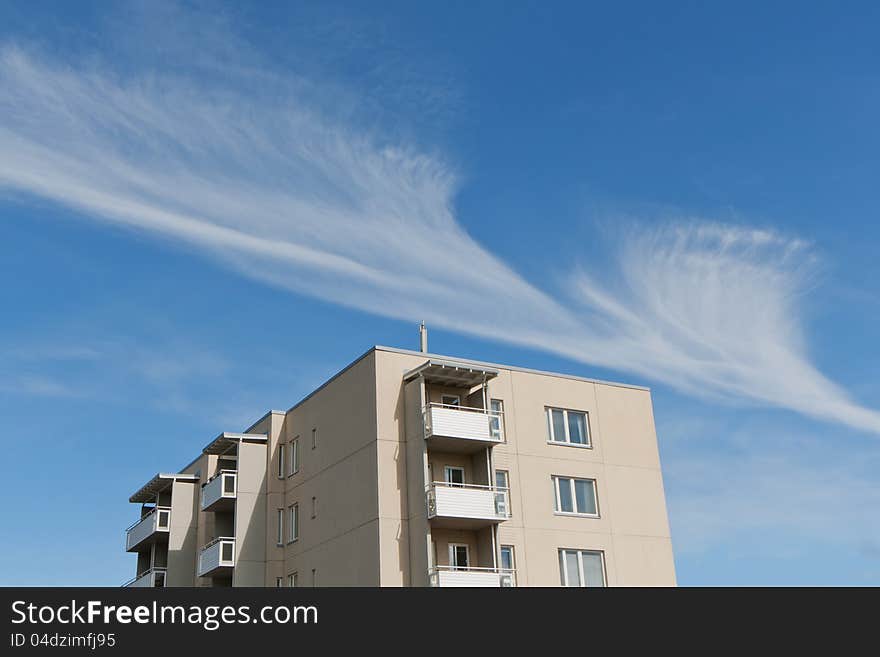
(205, 210)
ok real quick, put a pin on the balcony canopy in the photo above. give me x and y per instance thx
(148, 492)
(451, 373)
(224, 443)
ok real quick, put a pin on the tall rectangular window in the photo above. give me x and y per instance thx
(502, 479)
(280, 526)
(314, 438)
(293, 455)
(575, 496)
(314, 507)
(279, 582)
(507, 559)
(568, 427)
(314, 576)
(496, 419)
(581, 568)
(293, 580)
(281, 461)
(294, 522)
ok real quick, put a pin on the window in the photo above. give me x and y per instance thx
(293, 580)
(314, 507)
(280, 526)
(568, 427)
(581, 568)
(314, 576)
(279, 582)
(450, 400)
(507, 560)
(281, 461)
(576, 496)
(496, 419)
(459, 556)
(293, 466)
(314, 438)
(453, 475)
(294, 522)
(502, 480)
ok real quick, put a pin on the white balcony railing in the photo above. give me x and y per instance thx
(152, 578)
(158, 520)
(222, 486)
(468, 502)
(452, 576)
(219, 553)
(463, 422)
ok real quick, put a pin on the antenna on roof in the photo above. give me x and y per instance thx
(423, 338)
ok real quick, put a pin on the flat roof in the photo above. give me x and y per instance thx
(459, 362)
(222, 443)
(496, 366)
(451, 373)
(161, 481)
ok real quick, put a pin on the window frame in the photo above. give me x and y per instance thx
(551, 434)
(449, 468)
(563, 572)
(314, 437)
(293, 522)
(512, 550)
(467, 552)
(282, 465)
(499, 417)
(293, 457)
(444, 397)
(280, 536)
(293, 580)
(557, 497)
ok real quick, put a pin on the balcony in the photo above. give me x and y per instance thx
(451, 576)
(461, 506)
(461, 429)
(217, 557)
(151, 527)
(218, 493)
(152, 578)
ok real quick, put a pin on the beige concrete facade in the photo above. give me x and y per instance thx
(395, 466)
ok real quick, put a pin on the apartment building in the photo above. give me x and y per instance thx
(413, 469)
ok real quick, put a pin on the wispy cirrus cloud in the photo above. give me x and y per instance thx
(265, 177)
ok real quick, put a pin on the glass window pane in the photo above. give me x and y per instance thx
(585, 496)
(571, 568)
(565, 502)
(592, 562)
(501, 478)
(506, 557)
(577, 428)
(558, 426)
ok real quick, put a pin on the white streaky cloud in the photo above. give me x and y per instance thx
(257, 177)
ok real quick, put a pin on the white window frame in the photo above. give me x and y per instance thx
(279, 582)
(496, 420)
(293, 466)
(293, 515)
(280, 527)
(552, 438)
(457, 399)
(293, 580)
(449, 468)
(563, 572)
(557, 505)
(281, 460)
(512, 556)
(452, 560)
(506, 478)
